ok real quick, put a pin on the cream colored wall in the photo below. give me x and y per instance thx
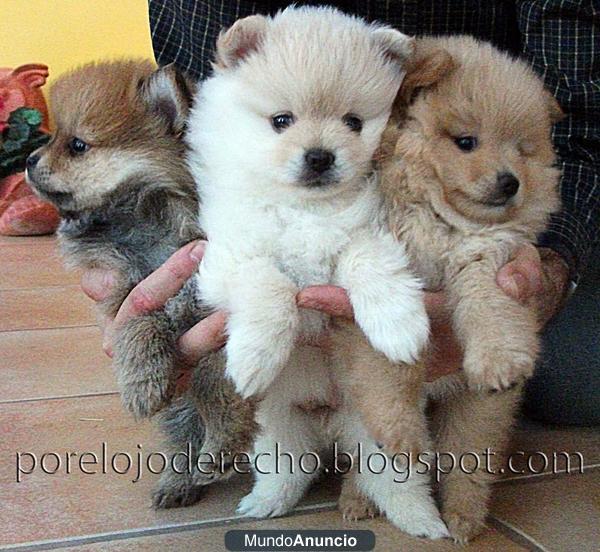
(65, 33)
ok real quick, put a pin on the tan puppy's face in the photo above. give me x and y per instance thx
(114, 122)
(484, 133)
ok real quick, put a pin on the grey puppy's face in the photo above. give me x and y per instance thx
(114, 122)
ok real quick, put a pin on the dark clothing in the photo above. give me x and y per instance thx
(565, 388)
(560, 38)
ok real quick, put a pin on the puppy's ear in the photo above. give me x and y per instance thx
(394, 44)
(168, 93)
(240, 40)
(554, 109)
(426, 67)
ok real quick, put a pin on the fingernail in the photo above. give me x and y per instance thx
(197, 252)
(108, 279)
(511, 287)
(521, 284)
(306, 302)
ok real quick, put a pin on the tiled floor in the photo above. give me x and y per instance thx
(57, 396)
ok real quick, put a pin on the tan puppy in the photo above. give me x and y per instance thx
(467, 169)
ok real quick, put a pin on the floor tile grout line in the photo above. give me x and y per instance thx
(546, 475)
(516, 535)
(49, 328)
(59, 397)
(38, 288)
(155, 531)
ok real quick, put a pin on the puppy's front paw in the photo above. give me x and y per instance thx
(144, 361)
(400, 330)
(497, 368)
(145, 397)
(254, 361)
(421, 524)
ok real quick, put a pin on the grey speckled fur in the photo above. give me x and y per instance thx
(132, 229)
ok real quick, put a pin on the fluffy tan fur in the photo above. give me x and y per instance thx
(444, 205)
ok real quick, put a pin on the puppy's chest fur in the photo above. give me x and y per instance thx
(307, 246)
(306, 241)
(439, 251)
(132, 234)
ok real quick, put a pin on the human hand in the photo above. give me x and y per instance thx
(151, 294)
(537, 278)
(446, 355)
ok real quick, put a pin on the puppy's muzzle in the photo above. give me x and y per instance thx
(319, 160)
(507, 186)
(318, 163)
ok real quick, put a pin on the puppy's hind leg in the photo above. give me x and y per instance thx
(282, 477)
(352, 503)
(397, 488)
(184, 429)
(145, 361)
(469, 424)
(387, 396)
(229, 420)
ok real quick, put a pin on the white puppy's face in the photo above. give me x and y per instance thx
(305, 97)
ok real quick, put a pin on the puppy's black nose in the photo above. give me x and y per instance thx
(319, 160)
(32, 161)
(508, 184)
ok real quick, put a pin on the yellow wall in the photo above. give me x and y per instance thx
(66, 33)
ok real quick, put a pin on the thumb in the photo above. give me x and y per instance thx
(98, 284)
(521, 278)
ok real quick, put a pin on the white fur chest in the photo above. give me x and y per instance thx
(307, 246)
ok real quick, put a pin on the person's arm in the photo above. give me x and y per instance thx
(561, 39)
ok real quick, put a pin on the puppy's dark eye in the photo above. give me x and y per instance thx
(466, 143)
(77, 146)
(353, 122)
(281, 121)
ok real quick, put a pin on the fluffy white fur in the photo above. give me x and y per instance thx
(270, 234)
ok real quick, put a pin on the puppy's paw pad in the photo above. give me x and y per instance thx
(463, 528)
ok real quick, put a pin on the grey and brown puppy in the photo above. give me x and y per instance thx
(116, 170)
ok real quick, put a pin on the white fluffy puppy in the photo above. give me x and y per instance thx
(282, 138)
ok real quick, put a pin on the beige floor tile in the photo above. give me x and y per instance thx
(53, 307)
(26, 240)
(537, 448)
(53, 363)
(32, 266)
(559, 514)
(388, 539)
(76, 504)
